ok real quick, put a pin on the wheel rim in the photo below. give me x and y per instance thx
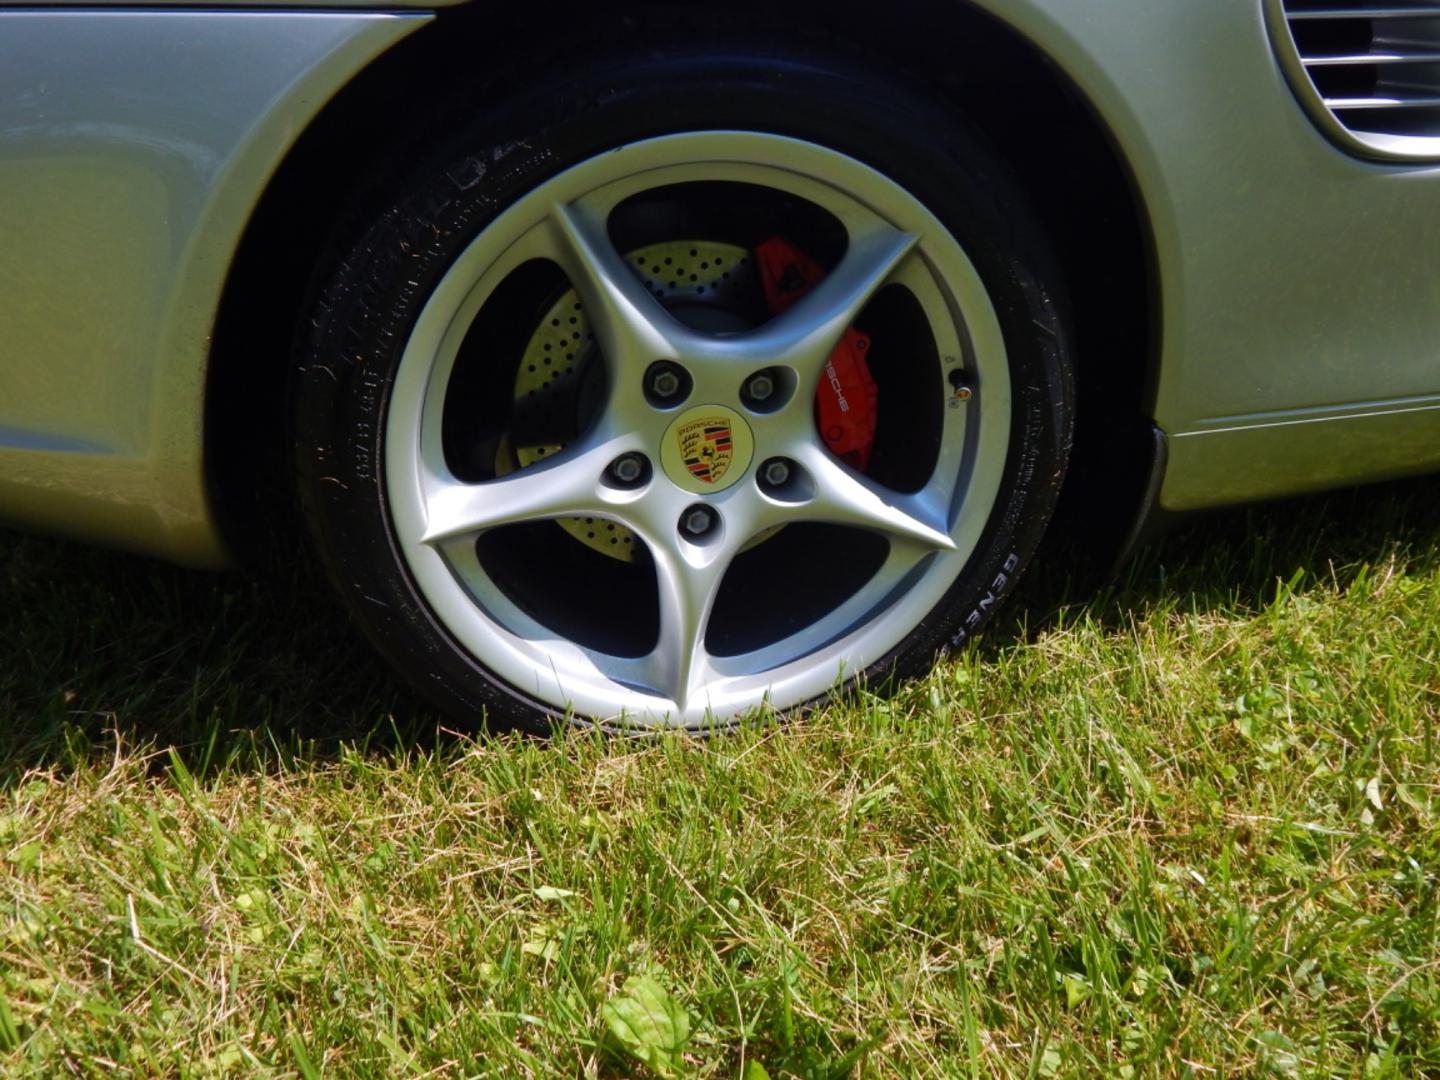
(445, 521)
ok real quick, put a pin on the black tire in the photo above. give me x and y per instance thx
(361, 323)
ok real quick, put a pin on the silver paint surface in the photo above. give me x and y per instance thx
(1299, 286)
(133, 148)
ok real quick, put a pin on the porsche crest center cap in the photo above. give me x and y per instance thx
(707, 449)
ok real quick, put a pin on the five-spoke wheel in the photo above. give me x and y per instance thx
(709, 420)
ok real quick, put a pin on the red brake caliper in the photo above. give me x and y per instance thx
(847, 399)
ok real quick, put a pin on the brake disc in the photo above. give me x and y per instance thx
(693, 274)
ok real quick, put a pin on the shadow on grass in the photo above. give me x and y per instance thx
(233, 670)
(240, 671)
(1235, 559)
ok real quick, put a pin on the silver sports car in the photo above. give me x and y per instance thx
(649, 363)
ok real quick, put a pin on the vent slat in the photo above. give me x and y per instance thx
(1351, 104)
(1368, 73)
(1358, 59)
(1430, 11)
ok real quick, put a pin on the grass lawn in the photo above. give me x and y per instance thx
(1186, 827)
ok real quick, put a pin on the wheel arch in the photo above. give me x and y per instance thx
(986, 69)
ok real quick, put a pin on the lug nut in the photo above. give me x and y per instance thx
(760, 387)
(628, 468)
(666, 384)
(697, 521)
(775, 472)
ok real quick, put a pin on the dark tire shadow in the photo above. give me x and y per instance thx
(228, 668)
(1236, 559)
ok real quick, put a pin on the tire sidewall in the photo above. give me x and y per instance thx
(362, 320)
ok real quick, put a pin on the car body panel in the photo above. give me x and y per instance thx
(241, 5)
(133, 148)
(1295, 456)
(1298, 288)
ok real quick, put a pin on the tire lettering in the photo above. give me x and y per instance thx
(997, 588)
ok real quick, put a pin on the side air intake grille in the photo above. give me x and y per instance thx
(1368, 73)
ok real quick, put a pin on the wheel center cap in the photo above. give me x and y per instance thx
(707, 449)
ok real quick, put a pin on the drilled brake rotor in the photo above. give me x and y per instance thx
(682, 273)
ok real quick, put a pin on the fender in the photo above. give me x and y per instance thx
(135, 146)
